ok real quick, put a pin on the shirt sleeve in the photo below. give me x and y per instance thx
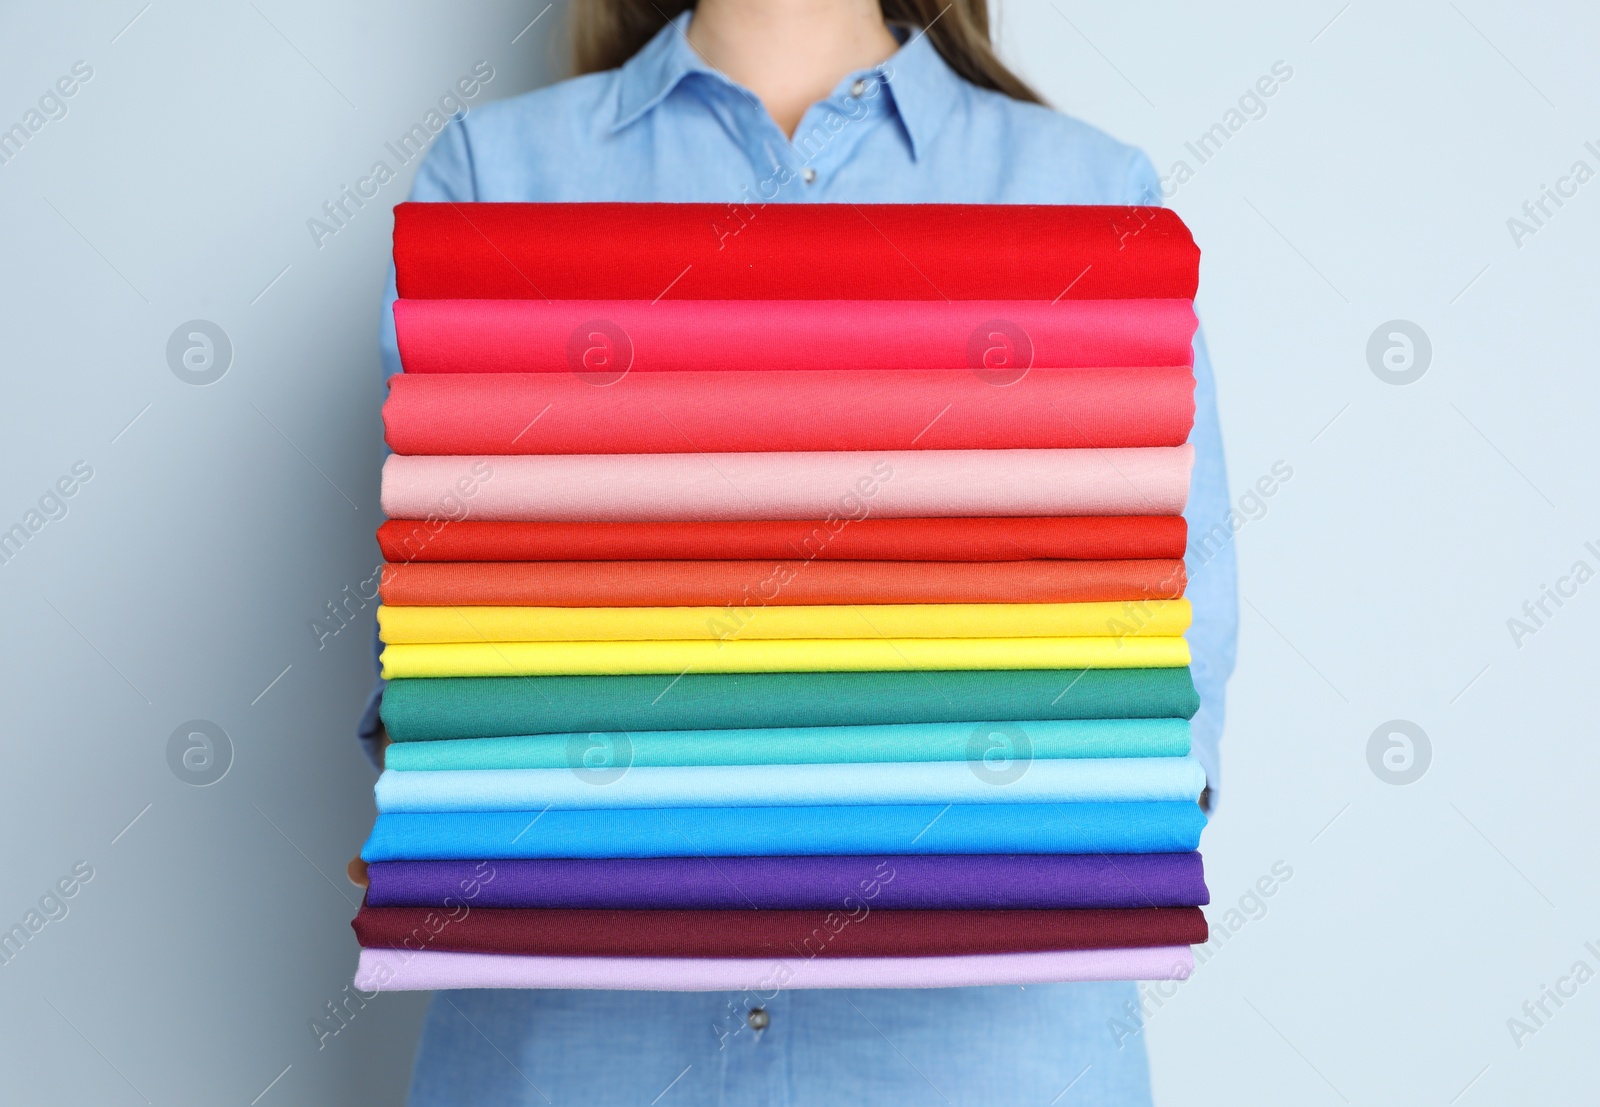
(445, 175)
(1213, 588)
(1213, 579)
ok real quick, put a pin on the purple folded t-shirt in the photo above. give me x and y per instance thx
(885, 882)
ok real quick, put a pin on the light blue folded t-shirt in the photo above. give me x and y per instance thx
(1069, 780)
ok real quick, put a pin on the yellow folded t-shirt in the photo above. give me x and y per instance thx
(1159, 618)
(790, 655)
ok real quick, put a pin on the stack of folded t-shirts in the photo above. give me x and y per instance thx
(787, 597)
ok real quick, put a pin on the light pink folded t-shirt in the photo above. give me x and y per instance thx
(400, 970)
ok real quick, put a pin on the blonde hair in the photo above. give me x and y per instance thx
(606, 33)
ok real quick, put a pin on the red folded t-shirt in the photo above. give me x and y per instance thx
(616, 251)
(1021, 538)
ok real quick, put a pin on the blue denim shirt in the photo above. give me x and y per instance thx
(668, 127)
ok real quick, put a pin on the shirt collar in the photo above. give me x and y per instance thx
(924, 89)
(649, 76)
(921, 86)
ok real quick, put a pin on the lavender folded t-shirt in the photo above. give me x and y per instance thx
(402, 970)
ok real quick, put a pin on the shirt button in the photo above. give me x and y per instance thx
(859, 88)
(808, 174)
(759, 1019)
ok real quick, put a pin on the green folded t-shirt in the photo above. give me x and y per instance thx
(487, 707)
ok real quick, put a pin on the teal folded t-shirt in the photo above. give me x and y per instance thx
(992, 743)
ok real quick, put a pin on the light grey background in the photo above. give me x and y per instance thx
(1376, 584)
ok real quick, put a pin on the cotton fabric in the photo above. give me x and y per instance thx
(840, 539)
(743, 586)
(614, 624)
(693, 486)
(1041, 739)
(873, 251)
(789, 831)
(605, 338)
(1063, 781)
(488, 659)
(859, 932)
(391, 970)
(495, 706)
(894, 882)
(798, 411)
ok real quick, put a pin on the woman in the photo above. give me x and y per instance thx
(804, 101)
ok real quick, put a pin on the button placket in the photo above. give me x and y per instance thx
(841, 123)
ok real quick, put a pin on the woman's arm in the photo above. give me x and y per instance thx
(1212, 588)
(1212, 575)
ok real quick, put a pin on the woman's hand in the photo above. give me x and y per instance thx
(357, 869)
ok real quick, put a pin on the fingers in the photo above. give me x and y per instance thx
(357, 869)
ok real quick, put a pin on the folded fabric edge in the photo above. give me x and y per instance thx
(390, 970)
(451, 624)
(797, 655)
(1076, 780)
(789, 746)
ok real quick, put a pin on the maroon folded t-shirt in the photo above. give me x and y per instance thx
(857, 932)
